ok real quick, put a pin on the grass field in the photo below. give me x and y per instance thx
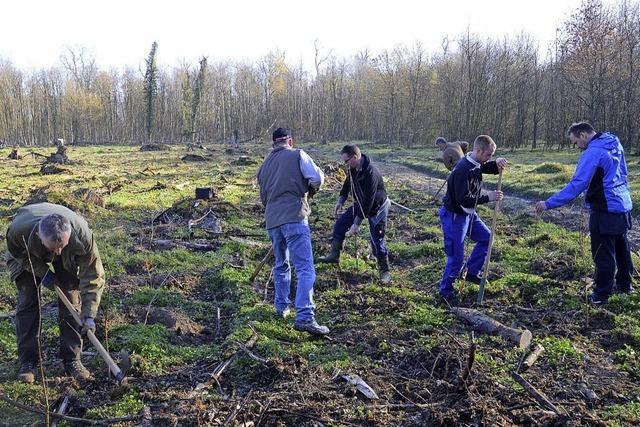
(161, 303)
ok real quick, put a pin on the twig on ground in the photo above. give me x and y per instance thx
(470, 359)
(538, 396)
(68, 418)
(39, 335)
(262, 263)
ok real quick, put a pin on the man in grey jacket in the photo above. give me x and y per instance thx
(45, 234)
(286, 177)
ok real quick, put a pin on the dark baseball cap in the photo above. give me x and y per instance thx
(440, 140)
(280, 134)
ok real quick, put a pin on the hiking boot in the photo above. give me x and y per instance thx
(284, 313)
(617, 289)
(472, 278)
(383, 267)
(597, 301)
(75, 368)
(27, 372)
(451, 300)
(311, 326)
(334, 255)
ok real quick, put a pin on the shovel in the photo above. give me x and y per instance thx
(117, 371)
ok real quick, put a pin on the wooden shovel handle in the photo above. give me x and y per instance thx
(115, 369)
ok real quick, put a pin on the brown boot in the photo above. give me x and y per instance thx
(334, 255)
(27, 372)
(75, 369)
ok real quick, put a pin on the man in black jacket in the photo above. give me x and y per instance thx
(366, 186)
(458, 216)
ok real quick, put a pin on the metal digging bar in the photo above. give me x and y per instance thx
(119, 372)
(485, 269)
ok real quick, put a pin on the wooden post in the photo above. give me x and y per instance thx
(485, 271)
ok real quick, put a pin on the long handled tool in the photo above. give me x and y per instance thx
(485, 269)
(118, 372)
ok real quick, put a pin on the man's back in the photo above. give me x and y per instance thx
(283, 188)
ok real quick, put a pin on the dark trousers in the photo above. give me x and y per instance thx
(377, 226)
(28, 316)
(611, 252)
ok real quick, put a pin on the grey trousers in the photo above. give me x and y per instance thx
(28, 316)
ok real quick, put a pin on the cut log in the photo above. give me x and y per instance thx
(531, 358)
(482, 323)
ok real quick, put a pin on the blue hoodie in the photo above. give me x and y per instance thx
(602, 171)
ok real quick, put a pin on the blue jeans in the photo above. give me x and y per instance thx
(292, 243)
(377, 226)
(455, 227)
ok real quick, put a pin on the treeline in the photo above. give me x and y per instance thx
(523, 95)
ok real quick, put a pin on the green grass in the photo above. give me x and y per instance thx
(374, 327)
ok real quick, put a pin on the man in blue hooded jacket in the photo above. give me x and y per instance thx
(602, 172)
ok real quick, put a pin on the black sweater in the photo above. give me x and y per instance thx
(369, 188)
(464, 185)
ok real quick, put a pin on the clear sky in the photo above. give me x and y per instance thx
(33, 34)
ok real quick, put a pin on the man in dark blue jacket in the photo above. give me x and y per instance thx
(458, 216)
(364, 182)
(602, 172)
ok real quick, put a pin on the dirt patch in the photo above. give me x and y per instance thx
(194, 158)
(49, 169)
(154, 147)
(88, 195)
(172, 320)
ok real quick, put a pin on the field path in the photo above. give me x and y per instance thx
(572, 217)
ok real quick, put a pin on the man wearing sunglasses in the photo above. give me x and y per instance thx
(365, 184)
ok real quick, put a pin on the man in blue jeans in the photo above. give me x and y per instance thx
(286, 177)
(458, 216)
(365, 184)
(602, 173)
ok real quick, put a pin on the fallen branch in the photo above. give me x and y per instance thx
(237, 409)
(470, 359)
(251, 243)
(68, 418)
(538, 396)
(480, 322)
(220, 368)
(171, 244)
(63, 408)
(262, 263)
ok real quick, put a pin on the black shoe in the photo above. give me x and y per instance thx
(472, 278)
(617, 289)
(311, 326)
(451, 300)
(597, 301)
(334, 255)
(27, 372)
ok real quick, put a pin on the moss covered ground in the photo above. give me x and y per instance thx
(161, 303)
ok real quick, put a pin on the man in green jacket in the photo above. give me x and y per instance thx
(50, 245)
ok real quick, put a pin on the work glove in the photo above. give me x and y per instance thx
(495, 195)
(48, 279)
(88, 324)
(353, 230)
